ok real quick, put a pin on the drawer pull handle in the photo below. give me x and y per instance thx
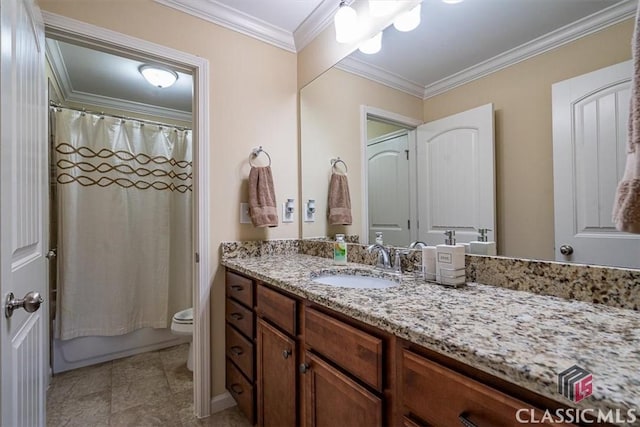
(237, 350)
(466, 422)
(237, 288)
(236, 389)
(304, 368)
(237, 316)
(286, 354)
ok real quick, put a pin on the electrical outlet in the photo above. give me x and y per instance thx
(287, 211)
(244, 213)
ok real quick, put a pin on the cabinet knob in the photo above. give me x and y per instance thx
(286, 353)
(304, 368)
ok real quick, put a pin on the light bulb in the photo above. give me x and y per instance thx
(346, 22)
(382, 7)
(408, 21)
(373, 45)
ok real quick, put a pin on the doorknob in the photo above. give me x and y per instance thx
(51, 254)
(31, 302)
(566, 250)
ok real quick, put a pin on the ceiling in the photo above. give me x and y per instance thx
(453, 43)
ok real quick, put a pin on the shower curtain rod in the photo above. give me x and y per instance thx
(101, 113)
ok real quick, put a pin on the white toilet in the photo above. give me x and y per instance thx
(182, 324)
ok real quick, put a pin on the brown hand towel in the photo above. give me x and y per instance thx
(262, 198)
(626, 211)
(339, 200)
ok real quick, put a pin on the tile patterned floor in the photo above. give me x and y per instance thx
(149, 389)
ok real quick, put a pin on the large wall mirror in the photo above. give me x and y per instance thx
(503, 53)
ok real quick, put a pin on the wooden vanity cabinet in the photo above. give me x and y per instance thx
(239, 342)
(277, 358)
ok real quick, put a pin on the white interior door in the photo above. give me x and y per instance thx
(590, 115)
(388, 189)
(23, 212)
(456, 176)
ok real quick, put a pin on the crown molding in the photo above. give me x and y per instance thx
(315, 23)
(128, 106)
(377, 74)
(58, 67)
(228, 17)
(581, 28)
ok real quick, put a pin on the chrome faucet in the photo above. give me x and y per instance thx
(384, 259)
(417, 244)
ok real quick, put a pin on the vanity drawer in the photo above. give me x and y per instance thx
(241, 390)
(239, 288)
(240, 317)
(440, 396)
(240, 351)
(354, 350)
(277, 308)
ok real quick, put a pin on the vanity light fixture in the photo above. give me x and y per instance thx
(346, 23)
(382, 7)
(158, 76)
(373, 45)
(408, 21)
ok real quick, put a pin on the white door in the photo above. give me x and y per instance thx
(388, 189)
(590, 115)
(456, 178)
(23, 212)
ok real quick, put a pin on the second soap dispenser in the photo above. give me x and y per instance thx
(483, 246)
(450, 269)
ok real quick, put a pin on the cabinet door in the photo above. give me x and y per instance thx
(276, 377)
(333, 399)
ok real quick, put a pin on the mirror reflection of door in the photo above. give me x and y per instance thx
(590, 116)
(456, 179)
(388, 187)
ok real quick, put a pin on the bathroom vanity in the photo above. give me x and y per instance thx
(301, 353)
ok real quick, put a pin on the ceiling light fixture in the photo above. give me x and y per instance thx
(373, 45)
(346, 22)
(408, 21)
(158, 76)
(452, 1)
(382, 7)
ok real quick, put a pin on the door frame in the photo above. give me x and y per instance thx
(80, 32)
(410, 123)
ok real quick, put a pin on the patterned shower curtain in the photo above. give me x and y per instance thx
(124, 223)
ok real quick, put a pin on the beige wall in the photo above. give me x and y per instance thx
(253, 94)
(521, 95)
(330, 127)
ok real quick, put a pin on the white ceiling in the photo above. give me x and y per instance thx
(451, 38)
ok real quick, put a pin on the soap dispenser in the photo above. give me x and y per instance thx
(483, 246)
(450, 269)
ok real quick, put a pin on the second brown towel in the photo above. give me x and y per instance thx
(339, 200)
(262, 198)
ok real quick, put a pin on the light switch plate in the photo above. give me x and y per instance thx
(244, 213)
(286, 216)
(308, 217)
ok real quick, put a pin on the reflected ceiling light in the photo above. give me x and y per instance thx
(346, 22)
(408, 21)
(158, 76)
(382, 7)
(452, 1)
(373, 45)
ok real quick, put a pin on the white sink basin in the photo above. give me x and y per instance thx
(356, 281)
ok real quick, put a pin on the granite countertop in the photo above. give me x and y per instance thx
(524, 338)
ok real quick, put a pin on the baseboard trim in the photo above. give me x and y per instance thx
(221, 402)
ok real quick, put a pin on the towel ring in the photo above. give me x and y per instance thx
(256, 152)
(334, 163)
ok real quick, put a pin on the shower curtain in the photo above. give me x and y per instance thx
(124, 223)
